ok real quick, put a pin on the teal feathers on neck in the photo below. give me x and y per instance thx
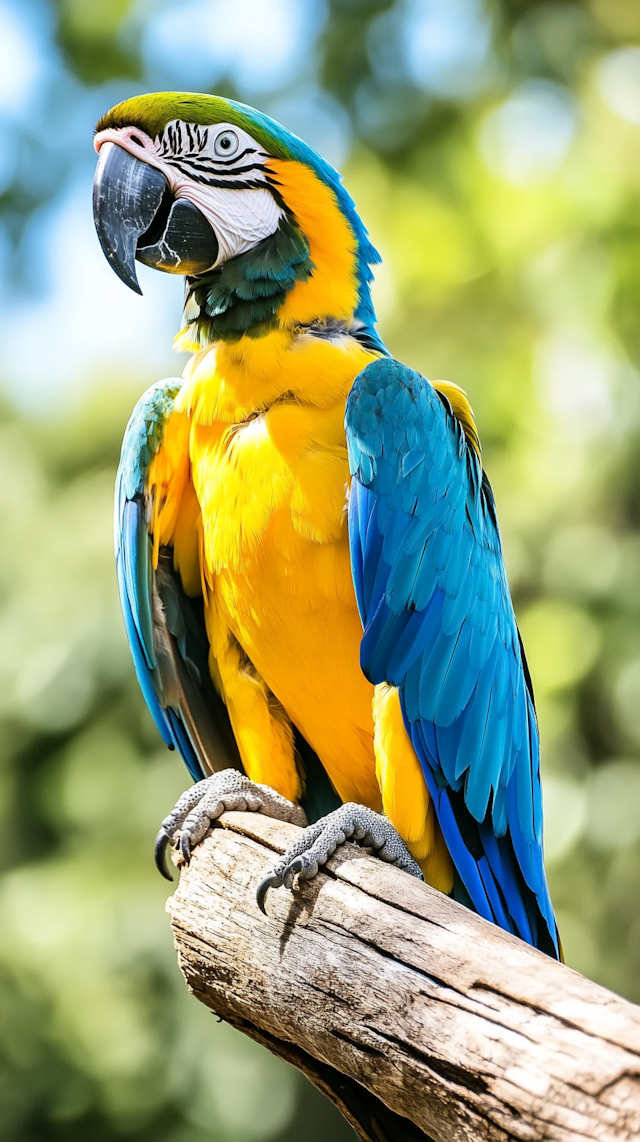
(244, 294)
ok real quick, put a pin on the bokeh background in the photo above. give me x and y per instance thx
(493, 149)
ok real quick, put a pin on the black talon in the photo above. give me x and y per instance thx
(160, 854)
(185, 847)
(270, 881)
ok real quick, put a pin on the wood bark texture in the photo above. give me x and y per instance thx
(442, 1025)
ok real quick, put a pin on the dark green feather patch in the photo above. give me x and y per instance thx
(244, 294)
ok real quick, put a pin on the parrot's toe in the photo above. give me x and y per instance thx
(319, 841)
(205, 801)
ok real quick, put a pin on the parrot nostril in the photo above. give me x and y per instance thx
(136, 139)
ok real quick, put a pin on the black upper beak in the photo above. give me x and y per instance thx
(136, 216)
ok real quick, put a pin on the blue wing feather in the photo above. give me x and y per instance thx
(168, 639)
(439, 624)
(141, 665)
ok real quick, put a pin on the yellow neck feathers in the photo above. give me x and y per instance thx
(332, 289)
(232, 381)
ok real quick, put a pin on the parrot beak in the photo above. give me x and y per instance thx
(136, 217)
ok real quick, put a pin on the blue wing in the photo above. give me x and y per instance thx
(439, 625)
(165, 627)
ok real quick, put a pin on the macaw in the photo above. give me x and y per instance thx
(307, 546)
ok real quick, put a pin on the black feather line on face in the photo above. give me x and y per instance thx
(206, 166)
(224, 178)
(197, 156)
(170, 138)
(227, 184)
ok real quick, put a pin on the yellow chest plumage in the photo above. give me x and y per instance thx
(269, 468)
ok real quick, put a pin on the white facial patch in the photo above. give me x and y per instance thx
(219, 169)
(239, 218)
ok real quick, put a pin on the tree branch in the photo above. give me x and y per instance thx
(403, 1006)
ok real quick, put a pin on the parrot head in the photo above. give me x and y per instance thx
(258, 223)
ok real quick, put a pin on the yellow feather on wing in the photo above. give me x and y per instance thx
(405, 796)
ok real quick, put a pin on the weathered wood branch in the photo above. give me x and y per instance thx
(434, 1017)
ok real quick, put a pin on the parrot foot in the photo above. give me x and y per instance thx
(205, 801)
(319, 841)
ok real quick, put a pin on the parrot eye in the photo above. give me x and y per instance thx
(226, 144)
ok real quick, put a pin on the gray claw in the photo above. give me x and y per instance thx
(273, 880)
(160, 854)
(294, 866)
(185, 847)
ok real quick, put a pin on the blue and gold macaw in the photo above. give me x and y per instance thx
(307, 546)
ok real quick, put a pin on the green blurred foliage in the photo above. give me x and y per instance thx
(89, 37)
(512, 267)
